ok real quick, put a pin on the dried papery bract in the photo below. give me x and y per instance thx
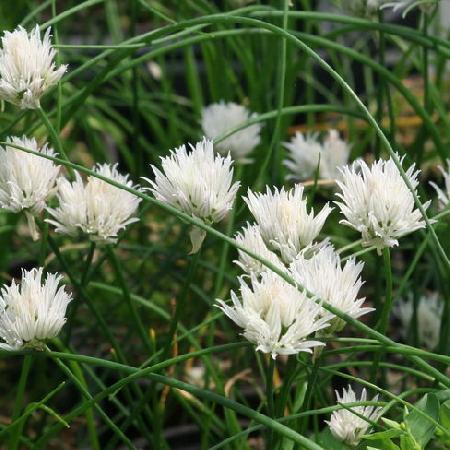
(250, 238)
(220, 118)
(324, 276)
(95, 208)
(349, 427)
(284, 222)
(274, 315)
(377, 202)
(27, 67)
(443, 194)
(27, 181)
(197, 182)
(32, 311)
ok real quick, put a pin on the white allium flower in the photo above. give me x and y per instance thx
(429, 315)
(33, 311)
(407, 5)
(95, 208)
(324, 276)
(377, 202)
(306, 154)
(274, 315)
(443, 196)
(219, 118)
(349, 427)
(199, 183)
(335, 153)
(250, 238)
(26, 180)
(284, 221)
(27, 67)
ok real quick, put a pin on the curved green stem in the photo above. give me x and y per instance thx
(16, 431)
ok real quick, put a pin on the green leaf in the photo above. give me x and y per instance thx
(392, 433)
(444, 415)
(443, 395)
(328, 441)
(420, 426)
(383, 444)
(407, 443)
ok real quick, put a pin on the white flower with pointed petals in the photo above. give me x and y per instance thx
(377, 202)
(284, 222)
(220, 118)
(33, 311)
(96, 208)
(443, 196)
(349, 427)
(335, 153)
(308, 154)
(274, 315)
(26, 181)
(27, 67)
(304, 155)
(199, 183)
(250, 238)
(429, 315)
(324, 276)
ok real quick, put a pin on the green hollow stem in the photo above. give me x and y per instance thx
(386, 311)
(381, 82)
(84, 280)
(181, 303)
(16, 431)
(79, 383)
(126, 295)
(55, 139)
(135, 373)
(270, 370)
(385, 314)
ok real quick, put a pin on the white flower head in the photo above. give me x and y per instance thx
(377, 202)
(220, 118)
(95, 208)
(324, 276)
(349, 427)
(429, 315)
(250, 238)
(284, 222)
(335, 153)
(443, 196)
(304, 155)
(199, 183)
(274, 315)
(33, 311)
(27, 67)
(407, 5)
(307, 154)
(26, 181)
